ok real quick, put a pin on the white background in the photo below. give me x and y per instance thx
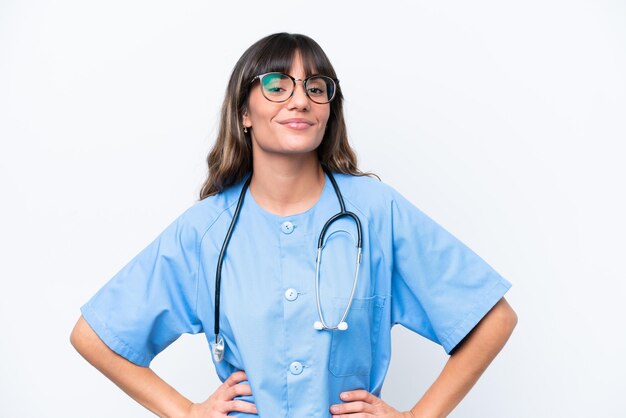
(503, 121)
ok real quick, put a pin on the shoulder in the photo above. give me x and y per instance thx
(366, 193)
(380, 203)
(204, 214)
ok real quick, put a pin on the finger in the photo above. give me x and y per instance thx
(358, 395)
(232, 381)
(351, 407)
(235, 378)
(238, 390)
(241, 406)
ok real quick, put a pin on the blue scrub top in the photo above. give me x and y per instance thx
(413, 273)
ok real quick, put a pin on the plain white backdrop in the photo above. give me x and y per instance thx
(503, 121)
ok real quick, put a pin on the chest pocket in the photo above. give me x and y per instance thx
(352, 351)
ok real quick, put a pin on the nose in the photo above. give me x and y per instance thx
(299, 99)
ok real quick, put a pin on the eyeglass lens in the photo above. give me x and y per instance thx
(278, 87)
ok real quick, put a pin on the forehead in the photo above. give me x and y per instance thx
(297, 69)
(297, 64)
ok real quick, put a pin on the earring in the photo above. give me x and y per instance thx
(245, 130)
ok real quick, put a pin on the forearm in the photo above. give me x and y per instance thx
(467, 363)
(140, 383)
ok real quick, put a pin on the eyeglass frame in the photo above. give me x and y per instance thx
(293, 79)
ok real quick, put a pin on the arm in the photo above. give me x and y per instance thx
(467, 362)
(147, 388)
(140, 383)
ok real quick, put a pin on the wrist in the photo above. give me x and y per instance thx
(189, 411)
(411, 414)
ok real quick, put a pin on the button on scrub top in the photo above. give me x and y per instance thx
(413, 273)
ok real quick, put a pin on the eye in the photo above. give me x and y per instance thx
(316, 91)
(316, 86)
(276, 83)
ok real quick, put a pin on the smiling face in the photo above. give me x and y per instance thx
(295, 126)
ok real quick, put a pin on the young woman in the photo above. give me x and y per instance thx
(296, 265)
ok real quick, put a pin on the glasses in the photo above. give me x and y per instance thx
(279, 87)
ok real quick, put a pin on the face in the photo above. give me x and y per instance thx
(295, 126)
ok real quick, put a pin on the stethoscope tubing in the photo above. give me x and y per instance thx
(218, 348)
(218, 271)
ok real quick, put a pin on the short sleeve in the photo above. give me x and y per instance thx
(440, 288)
(151, 301)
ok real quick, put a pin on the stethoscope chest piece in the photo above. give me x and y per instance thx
(217, 349)
(342, 326)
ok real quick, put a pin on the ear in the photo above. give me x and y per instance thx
(247, 123)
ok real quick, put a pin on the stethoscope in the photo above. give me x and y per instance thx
(218, 346)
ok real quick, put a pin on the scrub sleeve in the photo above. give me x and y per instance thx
(152, 301)
(440, 288)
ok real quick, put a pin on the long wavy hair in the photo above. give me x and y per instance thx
(230, 159)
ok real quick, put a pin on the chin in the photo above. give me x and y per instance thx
(290, 145)
(295, 151)
(300, 147)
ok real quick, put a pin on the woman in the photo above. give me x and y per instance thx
(299, 317)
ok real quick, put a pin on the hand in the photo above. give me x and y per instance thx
(221, 402)
(362, 404)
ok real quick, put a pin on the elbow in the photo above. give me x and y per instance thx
(75, 337)
(513, 319)
(78, 336)
(510, 324)
(508, 317)
(495, 328)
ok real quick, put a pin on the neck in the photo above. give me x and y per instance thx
(286, 185)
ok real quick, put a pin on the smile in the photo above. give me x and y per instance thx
(298, 124)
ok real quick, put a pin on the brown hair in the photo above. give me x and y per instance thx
(230, 159)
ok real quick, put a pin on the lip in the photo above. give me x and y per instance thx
(296, 123)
